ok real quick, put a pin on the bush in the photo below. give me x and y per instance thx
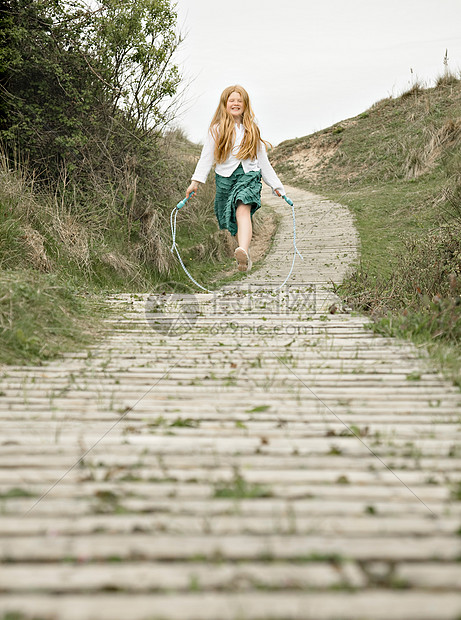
(78, 81)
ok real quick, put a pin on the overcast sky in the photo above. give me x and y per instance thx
(310, 63)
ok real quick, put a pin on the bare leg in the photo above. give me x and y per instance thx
(244, 226)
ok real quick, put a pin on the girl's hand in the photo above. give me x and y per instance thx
(277, 192)
(193, 187)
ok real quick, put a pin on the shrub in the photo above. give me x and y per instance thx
(77, 80)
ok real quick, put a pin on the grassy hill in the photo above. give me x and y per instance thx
(398, 167)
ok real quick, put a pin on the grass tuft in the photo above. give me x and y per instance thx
(239, 488)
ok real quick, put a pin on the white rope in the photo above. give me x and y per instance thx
(174, 247)
(296, 251)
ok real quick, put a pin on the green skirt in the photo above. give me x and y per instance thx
(240, 186)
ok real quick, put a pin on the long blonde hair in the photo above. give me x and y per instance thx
(222, 128)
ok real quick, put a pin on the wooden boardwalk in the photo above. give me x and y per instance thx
(252, 454)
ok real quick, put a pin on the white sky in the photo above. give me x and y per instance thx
(310, 63)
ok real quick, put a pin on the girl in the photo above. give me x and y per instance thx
(234, 144)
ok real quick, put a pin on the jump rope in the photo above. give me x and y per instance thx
(174, 247)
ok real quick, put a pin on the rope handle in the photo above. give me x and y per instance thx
(182, 203)
(290, 202)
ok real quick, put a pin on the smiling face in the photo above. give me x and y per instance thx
(235, 106)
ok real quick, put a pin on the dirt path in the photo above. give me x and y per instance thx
(235, 456)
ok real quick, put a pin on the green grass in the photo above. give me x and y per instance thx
(382, 211)
(41, 316)
(258, 409)
(239, 488)
(17, 615)
(185, 423)
(15, 492)
(456, 492)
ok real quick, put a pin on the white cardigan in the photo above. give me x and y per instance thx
(261, 162)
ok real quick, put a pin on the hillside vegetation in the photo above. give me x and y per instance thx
(89, 169)
(398, 167)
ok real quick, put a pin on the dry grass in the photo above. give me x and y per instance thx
(153, 247)
(416, 89)
(422, 159)
(35, 248)
(74, 237)
(120, 264)
(108, 232)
